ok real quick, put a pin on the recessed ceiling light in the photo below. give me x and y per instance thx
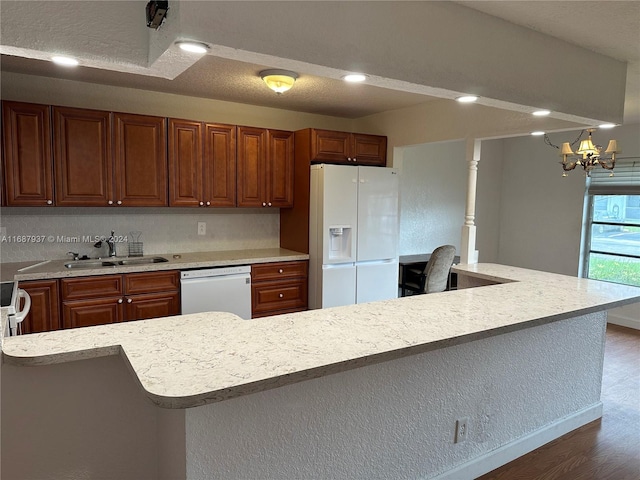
(537, 133)
(193, 47)
(541, 113)
(608, 125)
(355, 77)
(65, 61)
(467, 99)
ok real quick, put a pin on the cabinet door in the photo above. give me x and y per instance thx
(185, 163)
(82, 152)
(280, 168)
(140, 160)
(28, 164)
(369, 150)
(153, 305)
(330, 147)
(44, 314)
(252, 156)
(151, 282)
(220, 165)
(88, 313)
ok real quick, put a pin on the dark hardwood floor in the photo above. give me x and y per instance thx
(607, 449)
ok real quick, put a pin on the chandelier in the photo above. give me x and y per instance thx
(588, 155)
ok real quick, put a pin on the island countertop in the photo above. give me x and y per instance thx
(190, 360)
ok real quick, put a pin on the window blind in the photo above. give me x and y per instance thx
(626, 180)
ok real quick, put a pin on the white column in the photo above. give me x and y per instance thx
(468, 252)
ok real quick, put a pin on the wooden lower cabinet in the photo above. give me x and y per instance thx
(44, 315)
(99, 300)
(280, 287)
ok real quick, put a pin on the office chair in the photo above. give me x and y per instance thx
(434, 277)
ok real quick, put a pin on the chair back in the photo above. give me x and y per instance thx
(438, 268)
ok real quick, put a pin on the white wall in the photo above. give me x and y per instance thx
(433, 192)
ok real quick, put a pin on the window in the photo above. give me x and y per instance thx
(612, 230)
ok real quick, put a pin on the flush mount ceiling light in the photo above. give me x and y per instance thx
(541, 113)
(588, 154)
(193, 47)
(354, 77)
(279, 80)
(64, 61)
(467, 99)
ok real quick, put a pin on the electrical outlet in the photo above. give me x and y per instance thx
(202, 228)
(462, 430)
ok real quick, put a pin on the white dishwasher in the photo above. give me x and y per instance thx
(221, 289)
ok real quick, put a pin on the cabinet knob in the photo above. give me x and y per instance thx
(355, 159)
(49, 202)
(269, 204)
(119, 202)
(201, 204)
(110, 202)
(264, 204)
(281, 295)
(119, 300)
(348, 159)
(208, 204)
(280, 271)
(129, 300)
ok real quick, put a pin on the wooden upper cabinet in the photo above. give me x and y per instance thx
(83, 161)
(369, 149)
(328, 146)
(220, 165)
(185, 163)
(252, 167)
(280, 168)
(265, 167)
(348, 148)
(28, 165)
(140, 160)
(202, 164)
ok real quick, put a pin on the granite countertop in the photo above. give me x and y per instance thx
(39, 270)
(191, 360)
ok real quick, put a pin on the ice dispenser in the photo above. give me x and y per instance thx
(339, 242)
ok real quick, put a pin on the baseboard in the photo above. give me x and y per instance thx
(623, 321)
(523, 445)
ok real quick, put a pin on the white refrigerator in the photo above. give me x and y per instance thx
(353, 235)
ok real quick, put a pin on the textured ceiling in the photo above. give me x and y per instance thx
(608, 27)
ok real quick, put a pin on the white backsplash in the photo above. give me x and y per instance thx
(49, 233)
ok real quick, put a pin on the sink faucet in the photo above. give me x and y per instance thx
(76, 256)
(111, 243)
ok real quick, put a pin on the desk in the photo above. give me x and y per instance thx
(420, 260)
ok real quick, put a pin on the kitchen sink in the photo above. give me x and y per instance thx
(142, 261)
(114, 263)
(83, 264)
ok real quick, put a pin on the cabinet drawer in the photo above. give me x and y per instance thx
(91, 287)
(89, 313)
(151, 282)
(288, 295)
(280, 270)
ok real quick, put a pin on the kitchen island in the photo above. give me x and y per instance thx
(364, 391)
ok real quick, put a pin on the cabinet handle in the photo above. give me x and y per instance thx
(280, 271)
(49, 202)
(119, 202)
(281, 295)
(110, 202)
(201, 204)
(208, 204)
(119, 300)
(129, 300)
